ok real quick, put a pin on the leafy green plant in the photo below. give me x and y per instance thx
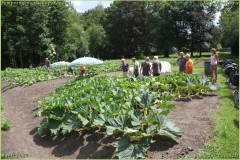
(5, 125)
(132, 109)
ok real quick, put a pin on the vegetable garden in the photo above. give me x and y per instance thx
(133, 109)
(30, 76)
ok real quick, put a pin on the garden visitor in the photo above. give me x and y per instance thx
(47, 64)
(135, 67)
(145, 68)
(83, 70)
(181, 62)
(189, 65)
(130, 71)
(214, 63)
(70, 70)
(124, 65)
(156, 67)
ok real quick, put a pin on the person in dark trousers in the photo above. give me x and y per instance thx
(145, 69)
(83, 70)
(47, 64)
(135, 67)
(181, 62)
(124, 66)
(156, 67)
(70, 70)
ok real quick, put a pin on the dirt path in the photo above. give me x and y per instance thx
(20, 108)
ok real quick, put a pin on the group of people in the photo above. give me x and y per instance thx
(184, 63)
(145, 69)
(69, 70)
(82, 71)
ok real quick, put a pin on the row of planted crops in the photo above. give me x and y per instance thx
(133, 110)
(28, 76)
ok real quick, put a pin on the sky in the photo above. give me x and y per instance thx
(82, 6)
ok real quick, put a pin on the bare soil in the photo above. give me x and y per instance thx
(20, 107)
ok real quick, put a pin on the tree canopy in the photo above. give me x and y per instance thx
(32, 31)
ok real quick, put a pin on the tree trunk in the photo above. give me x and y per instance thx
(192, 47)
(200, 50)
(166, 53)
(21, 60)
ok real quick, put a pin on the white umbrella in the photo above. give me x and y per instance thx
(85, 61)
(61, 63)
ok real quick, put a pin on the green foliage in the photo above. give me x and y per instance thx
(133, 109)
(126, 28)
(95, 16)
(26, 39)
(29, 76)
(230, 26)
(97, 39)
(5, 125)
(225, 142)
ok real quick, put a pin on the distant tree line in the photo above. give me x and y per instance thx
(32, 31)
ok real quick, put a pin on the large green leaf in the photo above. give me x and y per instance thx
(57, 113)
(70, 123)
(136, 117)
(145, 99)
(84, 118)
(54, 126)
(42, 126)
(100, 120)
(125, 149)
(116, 125)
(167, 128)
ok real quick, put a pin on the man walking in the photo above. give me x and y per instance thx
(156, 66)
(145, 68)
(124, 65)
(135, 67)
(47, 64)
(181, 61)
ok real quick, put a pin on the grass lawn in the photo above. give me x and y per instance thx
(224, 143)
(225, 140)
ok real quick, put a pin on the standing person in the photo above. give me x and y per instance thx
(124, 65)
(47, 64)
(189, 65)
(135, 67)
(145, 68)
(156, 67)
(214, 63)
(83, 70)
(181, 62)
(70, 70)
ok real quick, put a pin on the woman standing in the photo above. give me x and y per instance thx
(214, 63)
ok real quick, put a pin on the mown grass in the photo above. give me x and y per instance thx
(224, 143)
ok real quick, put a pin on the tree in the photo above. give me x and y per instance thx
(24, 37)
(97, 39)
(125, 28)
(77, 42)
(96, 15)
(229, 23)
(58, 21)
